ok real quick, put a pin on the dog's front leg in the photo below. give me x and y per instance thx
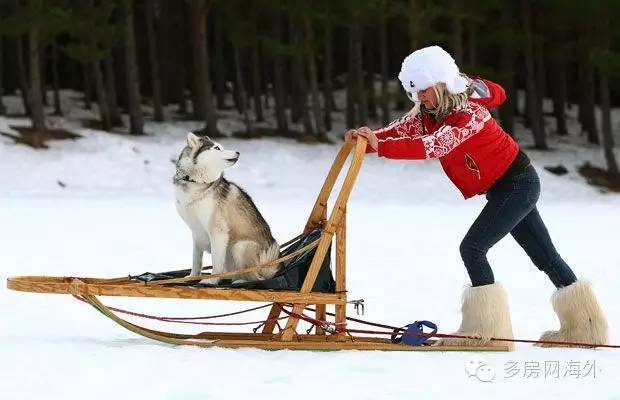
(219, 242)
(196, 259)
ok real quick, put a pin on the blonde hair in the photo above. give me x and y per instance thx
(446, 101)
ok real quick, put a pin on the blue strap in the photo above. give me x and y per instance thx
(414, 334)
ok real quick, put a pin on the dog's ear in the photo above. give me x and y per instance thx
(192, 139)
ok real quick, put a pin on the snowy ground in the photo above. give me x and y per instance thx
(115, 215)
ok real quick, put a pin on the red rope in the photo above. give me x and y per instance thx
(135, 314)
(361, 321)
(322, 324)
(189, 320)
(442, 335)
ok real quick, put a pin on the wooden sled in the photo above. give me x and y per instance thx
(287, 337)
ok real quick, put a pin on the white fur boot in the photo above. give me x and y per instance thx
(485, 315)
(581, 317)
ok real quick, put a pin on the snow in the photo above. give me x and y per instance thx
(116, 216)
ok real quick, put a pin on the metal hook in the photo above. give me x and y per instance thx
(358, 305)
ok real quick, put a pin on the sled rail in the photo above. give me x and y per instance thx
(273, 342)
(99, 287)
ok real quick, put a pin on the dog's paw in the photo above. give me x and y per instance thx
(210, 281)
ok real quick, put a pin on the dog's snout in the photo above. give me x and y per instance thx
(237, 153)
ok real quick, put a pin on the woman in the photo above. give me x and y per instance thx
(451, 121)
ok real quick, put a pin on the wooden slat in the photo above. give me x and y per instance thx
(334, 346)
(341, 277)
(319, 211)
(78, 286)
(274, 314)
(320, 315)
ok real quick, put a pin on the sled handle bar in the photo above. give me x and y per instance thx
(319, 211)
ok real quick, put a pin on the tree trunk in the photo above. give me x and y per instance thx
(472, 43)
(507, 110)
(115, 114)
(256, 84)
(136, 121)
(279, 93)
(204, 107)
(358, 61)
(87, 89)
(383, 56)
(558, 87)
(173, 44)
(55, 80)
(369, 77)
(530, 72)
(328, 87)
(508, 58)
(242, 92)
(587, 105)
(351, 115)
(236, 94)
(211, 120)
(413, 23)
(541, 79)
(120, 68)
(104, 110)
(457, 32)
(514, 99)
(314, 83)
(417, 28)
(21, 74)
(218, 59)
(2, 108)
(266, 78)
(298, 75)
(608, 141)
(294, 82)
(199, 40)
(36, 97)
(158, 111)
(43, 73)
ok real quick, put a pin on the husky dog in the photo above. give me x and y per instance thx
(222, 217)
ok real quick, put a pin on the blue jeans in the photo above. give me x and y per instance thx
(511, 208)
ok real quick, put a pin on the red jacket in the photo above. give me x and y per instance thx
(473, 149)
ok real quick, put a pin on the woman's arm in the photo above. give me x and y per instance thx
(408, 126)
(445, 139)
(487, 93)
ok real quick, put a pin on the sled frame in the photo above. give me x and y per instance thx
(333, 228)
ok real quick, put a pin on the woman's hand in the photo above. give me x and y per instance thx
(364, 131)
(350, 135)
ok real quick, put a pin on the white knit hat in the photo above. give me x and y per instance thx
(428, 66)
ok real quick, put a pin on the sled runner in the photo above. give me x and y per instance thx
(304, 280)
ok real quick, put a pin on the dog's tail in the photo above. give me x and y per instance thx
(269, 254)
